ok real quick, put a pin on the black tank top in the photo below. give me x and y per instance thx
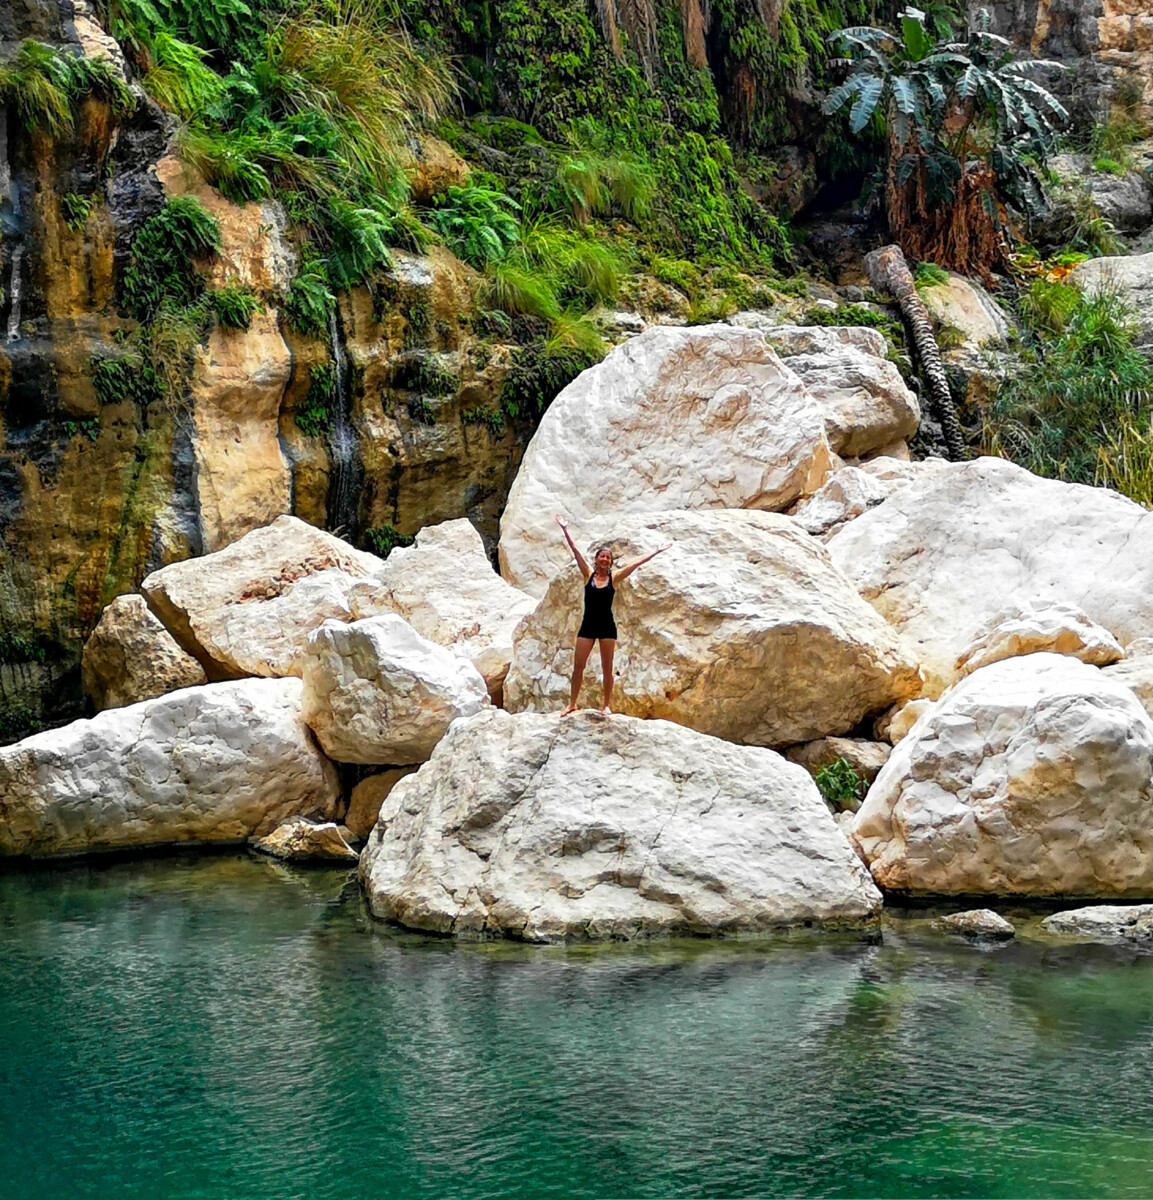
(599, 602)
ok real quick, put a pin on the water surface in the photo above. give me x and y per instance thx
(225, 1028)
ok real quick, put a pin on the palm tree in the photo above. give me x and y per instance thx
(963, 125)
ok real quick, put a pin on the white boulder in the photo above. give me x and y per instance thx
(445, 588)
(249, 608)
(130, 657)
(216, 763)
(1031, 628)
(545, 828)
(301, 840)
(981, 924)
(1135, 671)
(1032, 776)
(674, 418)
(944, 555)
(375, 691)
(861, 393)
(743, 630)
(1104, 922)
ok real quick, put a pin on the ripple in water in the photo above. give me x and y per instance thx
(224, 1028)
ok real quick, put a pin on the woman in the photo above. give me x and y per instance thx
(598, 624)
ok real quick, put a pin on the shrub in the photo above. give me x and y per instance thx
(235, 305)
(310, 305)
(520, 291)
(314, 417)
(384, 539)
(840, 785)
(163, 257)
(130, 378)
(477, 224)
(1081, 390)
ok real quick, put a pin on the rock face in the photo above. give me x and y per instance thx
(1105, 922)
(978, 923)
(446, 589)
(1033, 776)
(1132, 277)
(1056, 627)
(703, 417)
(943, 556)
(300, 840)
(1125, 200)
(248, 609)
(130, 657)
(242, 476)
(217, 763)
(743, 630)
(846, 370)
(375, 691)
(367, 797)
(545, 828)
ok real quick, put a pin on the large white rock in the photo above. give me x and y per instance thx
(847, 371)
(547, 827)
(1030, 628)
(1032, 776)
(942, 556)
(445, 588)
(248, 609)
(743, 630)
(130, 656)
(1135, 671)
(375, 691)
(216, 763)
(675, 418)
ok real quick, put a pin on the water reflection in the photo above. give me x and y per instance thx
(226, 1027)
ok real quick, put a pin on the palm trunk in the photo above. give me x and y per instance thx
(888, 272)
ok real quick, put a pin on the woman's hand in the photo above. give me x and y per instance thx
(666, 546)
(561, 521)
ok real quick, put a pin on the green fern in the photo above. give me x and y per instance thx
(179, 79)
(310, 304)
(477, 224)
(163, 257)
(235, 305)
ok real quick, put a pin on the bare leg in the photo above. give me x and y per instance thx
(584, 647)
(608, 649)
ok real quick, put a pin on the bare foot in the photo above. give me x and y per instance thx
(608, 712)
(571, 709)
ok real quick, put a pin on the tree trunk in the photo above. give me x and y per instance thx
(888, 272)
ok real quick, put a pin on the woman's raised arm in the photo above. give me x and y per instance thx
(585, 569)
(626, 571)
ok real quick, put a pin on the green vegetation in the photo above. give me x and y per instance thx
(425, 374)
(858, 314)
(16, 648)
(310, 305)
(929, 274)
(163, 267)
(42, 84)
(477, 223)
(491, 418)
(964, 128)
(840, 785)
(89, 428)
(384, 539)
(1079, 406)
(235, 305)
(129, 378)
(75, 209)
(314, 417)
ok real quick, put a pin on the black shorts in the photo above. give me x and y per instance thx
(598, 629)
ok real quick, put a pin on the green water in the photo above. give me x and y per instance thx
(221, 1027)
